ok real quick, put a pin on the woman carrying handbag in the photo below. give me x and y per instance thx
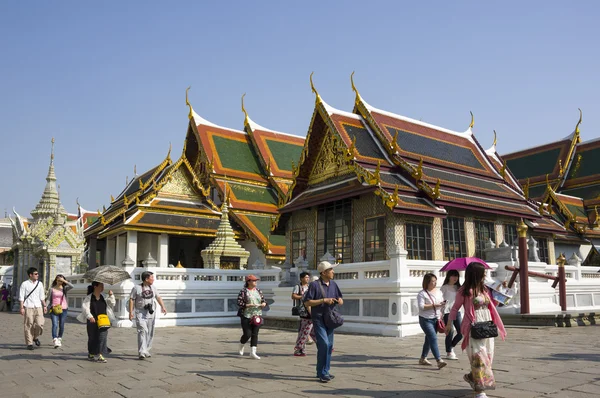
(58, 307)
(431, 303)
(251, 301)
(97, 313)
(480, 325)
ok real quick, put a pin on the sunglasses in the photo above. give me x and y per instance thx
(35, 273)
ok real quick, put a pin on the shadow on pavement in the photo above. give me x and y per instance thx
(357, 392)
(267, 376)
(571, 357)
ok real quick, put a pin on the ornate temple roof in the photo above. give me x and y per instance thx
(564, 177)
(415, 167)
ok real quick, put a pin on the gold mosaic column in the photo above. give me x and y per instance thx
(437, 239)
(470, 236)
(499, 229)
(551, 251)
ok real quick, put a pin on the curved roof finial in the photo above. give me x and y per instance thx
(312, 87)
(187, 102)
(579, 122)
(246, 119)
(472, 120)
(354, 87)
(495, 139)
(169, 153)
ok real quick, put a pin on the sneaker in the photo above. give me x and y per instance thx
(148, 355)
(441, 364)
(91, 357)
(101, 359)
(424, 361)
(142, 357)
(30, 347)
(324, 379)
(452, 356)
(60, 341)
(310, 341)
(331, 376)
(37, 342)
(299, 354)
(55, 343)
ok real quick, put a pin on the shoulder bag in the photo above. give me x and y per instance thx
(56, 309)
(331, 316)
(299, 309)
(439, 325)
(483, 330)
(103, 321)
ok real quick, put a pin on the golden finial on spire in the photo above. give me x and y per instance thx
(472, 120)
(187, 102)
(52, 150)
(246, 118)
(495, 139)
(314, 90)
(579, 122)
(354, 88)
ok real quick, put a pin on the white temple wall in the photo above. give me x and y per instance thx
(147, 243)
(132, 239)
(255, 252)
(121, 250)
(111, 246)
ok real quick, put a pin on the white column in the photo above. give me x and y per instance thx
(110, 251)
(121, 247)
(132, 240)
(163, 250)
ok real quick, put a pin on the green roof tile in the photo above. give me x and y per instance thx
(284, 154)
(253, 194)
(237, 155)
(589, 165)
(537, 164)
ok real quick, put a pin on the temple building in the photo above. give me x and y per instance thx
(370, 181)
(169, 214)
(563, 177)
(51, 240)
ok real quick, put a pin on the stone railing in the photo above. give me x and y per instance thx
(192, 296)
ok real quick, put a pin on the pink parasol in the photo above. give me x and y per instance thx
(460, 264)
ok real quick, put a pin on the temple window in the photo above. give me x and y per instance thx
(543, 246)
(334, 230)
(510, 235)
(484, 231)
(375, 239)
(455, 243)
(418, 242)
(298, 244)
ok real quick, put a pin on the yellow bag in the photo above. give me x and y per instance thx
(103, 321)
(57, 309)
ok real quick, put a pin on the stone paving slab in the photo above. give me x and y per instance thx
(202, 361)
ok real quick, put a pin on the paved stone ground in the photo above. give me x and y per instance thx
(192, 361)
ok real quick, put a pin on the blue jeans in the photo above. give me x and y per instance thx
(428, 326)
(324, 346)
(451, 340)
(58, 324)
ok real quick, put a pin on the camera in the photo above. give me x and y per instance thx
(149, 308)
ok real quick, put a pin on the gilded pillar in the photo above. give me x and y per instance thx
(437, 239)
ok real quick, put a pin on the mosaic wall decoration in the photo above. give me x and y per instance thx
(499, 232)
(179, 186)
(303, 219)
(437, 237)
(551, 252)
(470, 235)
(370, 206)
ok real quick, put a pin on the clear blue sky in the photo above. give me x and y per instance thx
(107, 79)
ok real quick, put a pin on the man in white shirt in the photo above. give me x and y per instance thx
(141, 307)
(33, 307)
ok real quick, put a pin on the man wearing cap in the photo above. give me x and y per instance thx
(322, 293)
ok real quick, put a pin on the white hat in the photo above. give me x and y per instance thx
(324, 266)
